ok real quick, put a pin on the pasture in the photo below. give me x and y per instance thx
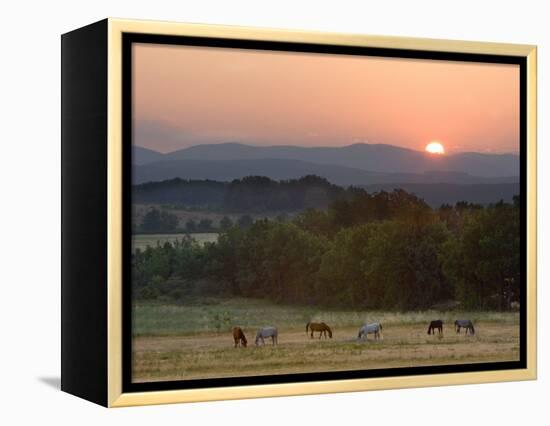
(141, 241)
(193, 339)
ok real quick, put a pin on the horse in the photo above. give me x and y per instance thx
(321, 327)
(467, 324)
(239, 337)
(436, 324)
(266, 332)
(374, 328)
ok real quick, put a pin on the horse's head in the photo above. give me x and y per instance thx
(329, 332)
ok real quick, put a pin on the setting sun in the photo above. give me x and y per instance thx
(435, 148)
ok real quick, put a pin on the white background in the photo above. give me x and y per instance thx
(30, 211)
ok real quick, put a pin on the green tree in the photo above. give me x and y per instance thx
(223, 259)
(191, 226)
(159, 221)
(245, 221)
(225, 223)
(403, 268)
(205, 225)
(341, 277)
(290, 260)
(484, 262)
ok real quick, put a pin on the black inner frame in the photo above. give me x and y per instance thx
(129, 38)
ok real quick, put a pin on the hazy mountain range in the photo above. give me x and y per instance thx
(358, 164)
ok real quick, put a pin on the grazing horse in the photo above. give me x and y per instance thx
(467, 324)
(266, 332)
(239, 337)
(374, 328)
(321, 327)
(437, 324)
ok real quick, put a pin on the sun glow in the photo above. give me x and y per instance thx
(435, 148)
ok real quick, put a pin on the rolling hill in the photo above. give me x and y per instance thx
(281, 169)
(371, 157)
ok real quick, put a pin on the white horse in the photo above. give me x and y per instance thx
(266, 332)
(374, 328)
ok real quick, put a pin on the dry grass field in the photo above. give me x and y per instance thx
(194, 341)
(141, 241)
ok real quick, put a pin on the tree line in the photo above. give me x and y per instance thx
(157, 221)
(387, 250)
(252, 194)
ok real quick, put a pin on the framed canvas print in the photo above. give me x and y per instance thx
(251, 212)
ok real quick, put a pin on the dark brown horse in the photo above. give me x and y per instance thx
(437, 324)
(321, 327)
(239, 337)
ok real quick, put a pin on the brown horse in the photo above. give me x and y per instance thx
(321, 327)
(436, 324)
(239, 337)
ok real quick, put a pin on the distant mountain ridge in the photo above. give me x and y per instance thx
(283, 169)
(143, 155)
(367, 157)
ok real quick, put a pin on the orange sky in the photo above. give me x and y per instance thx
(185, 96)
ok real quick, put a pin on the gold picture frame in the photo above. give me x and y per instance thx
(114, 30)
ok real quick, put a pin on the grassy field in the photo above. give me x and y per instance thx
(193, 340)
(141, 241)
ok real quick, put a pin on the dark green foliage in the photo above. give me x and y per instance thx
(159, 221)
(191, 226)
(205, 225)
(484, 259)
(254, 194)
(376, 251)
(226, 223)
(245, 221)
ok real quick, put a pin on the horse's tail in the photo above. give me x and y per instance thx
(307, 327)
